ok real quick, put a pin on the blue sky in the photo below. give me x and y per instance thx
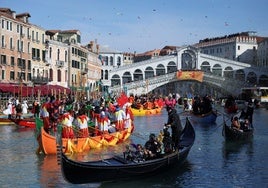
(142, 25)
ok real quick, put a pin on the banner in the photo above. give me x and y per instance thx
(190, 75)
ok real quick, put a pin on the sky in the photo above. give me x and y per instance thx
(143, 25)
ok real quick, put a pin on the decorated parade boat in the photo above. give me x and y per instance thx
(47, 142)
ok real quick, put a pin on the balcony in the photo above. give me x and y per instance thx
(48, 62)
(40, 80)
(84, 71)
(60, 63)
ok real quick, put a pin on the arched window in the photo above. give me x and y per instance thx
(58, 55)
(59, 75)
(50, 52)
(65, 58)
(106, 75)
(51, 74)
(111, 61)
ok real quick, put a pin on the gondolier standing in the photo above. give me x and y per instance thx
(174, 123)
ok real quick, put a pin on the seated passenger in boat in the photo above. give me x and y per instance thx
(152, 147)
(235, 123)
(111, 127)
(167, 142)
(139, 154)
(245, 125)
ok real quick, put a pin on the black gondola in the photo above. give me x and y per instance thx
(231, 134)
(118, 167)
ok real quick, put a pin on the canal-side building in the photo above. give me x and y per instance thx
(262, 53)
(56, 60)
(38, 44)
(15, 48)
(240, 47)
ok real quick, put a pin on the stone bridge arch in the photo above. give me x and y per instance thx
(149, 72)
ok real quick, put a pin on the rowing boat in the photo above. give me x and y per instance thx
(117, 167)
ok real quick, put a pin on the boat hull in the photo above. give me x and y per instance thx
(231, 134)
(29, 122)
(208, 118)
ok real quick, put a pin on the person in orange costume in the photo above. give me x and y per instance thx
(82, 122)
(66, 121)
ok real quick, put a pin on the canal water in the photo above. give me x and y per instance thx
(211, 163)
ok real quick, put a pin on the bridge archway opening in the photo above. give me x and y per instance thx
(205, 66)
(188, 60)
(263, 80)
(160, 70)
(228, 72)
(252, 78)
(115, 80)
(138, 75)
(171, 67)
(149, 72)
(240, 75)
(217, 70)
(126, 78)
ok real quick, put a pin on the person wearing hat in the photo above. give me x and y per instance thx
(66, 121)
(120, 116)
(174, 123)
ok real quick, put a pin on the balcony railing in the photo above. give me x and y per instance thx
(40, 80)
(84, 71)
(60, 63)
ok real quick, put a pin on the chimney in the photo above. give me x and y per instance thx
(14, 14)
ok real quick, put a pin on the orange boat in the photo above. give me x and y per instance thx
(47, 143)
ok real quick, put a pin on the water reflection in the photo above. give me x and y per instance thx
(49, 170)
(233, 150)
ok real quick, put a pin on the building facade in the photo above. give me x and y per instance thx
(240, 47)
(35, 56)
(262, 53)
(15, 47)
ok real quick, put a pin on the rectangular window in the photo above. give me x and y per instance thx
(32, 35)
(3, 59)
(3, 24)
(37, 37)
(3, 74)
(11, 44)
(12, 75)
(29, 65)
(3, 41)
(12, 61)
(238, 47)
(7, 25)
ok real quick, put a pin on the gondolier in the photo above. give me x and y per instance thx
(174, 123)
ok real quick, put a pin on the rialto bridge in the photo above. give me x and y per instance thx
(145, 76)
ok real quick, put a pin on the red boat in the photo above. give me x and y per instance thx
(26, 122)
